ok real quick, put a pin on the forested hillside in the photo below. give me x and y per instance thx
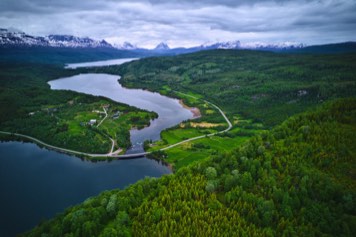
(59, 117)
(295, 180)
(267, 87)
(55, 56)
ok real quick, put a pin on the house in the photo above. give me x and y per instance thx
(116, 115)
(92, 122)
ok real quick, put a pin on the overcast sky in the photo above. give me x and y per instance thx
(186, 22)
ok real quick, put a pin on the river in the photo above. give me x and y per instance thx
(100, 63)
(36, 183)
(170, 111)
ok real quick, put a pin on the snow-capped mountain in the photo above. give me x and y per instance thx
(281, 45)
(13, 38)
(125, 46)
(10, 37)
(75, 42)
(222, 45)
(162, 46)
(252, 45)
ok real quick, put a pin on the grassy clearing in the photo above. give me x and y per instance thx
(210, 122)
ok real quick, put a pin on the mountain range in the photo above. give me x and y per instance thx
(11, 38)
(16, 38)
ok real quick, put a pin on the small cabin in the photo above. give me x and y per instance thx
(92, 122)
(116, 115)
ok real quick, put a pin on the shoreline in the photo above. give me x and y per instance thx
(109, 155)
(195, 111)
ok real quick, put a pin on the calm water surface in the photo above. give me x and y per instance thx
(169, 111)
(37, 183)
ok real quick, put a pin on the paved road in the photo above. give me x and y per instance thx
(136, 155)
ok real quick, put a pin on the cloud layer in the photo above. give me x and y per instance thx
(186, 22)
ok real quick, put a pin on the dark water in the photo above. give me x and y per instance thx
(170, 111)
(37, 183)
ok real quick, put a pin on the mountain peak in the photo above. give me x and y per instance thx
(222, 45)
(74, 41)
(125, 46)
(128, 46)
(279, 45)
(162, 46)
(13, 38)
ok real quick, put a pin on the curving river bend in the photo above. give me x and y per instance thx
(37, 183)
(170, 111)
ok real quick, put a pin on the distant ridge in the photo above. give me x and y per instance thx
(73, 41)
(162, 46)
(346, 47)
(10, 38)
(13, 38)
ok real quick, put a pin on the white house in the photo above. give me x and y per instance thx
(92, 122)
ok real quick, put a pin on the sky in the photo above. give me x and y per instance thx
(186, 22)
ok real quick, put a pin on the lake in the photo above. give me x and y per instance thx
(36, 183)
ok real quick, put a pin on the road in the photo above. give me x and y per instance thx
(208, 135)
(54, 147)
(114, 154)
(106, 115)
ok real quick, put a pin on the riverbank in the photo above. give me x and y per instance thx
(195, 111)
(112, 154)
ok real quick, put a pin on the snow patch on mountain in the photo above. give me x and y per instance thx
(125, 46)
(280, 45)
(11, 37)
(14, 37)
(75, 42)
(251, 45)
(162, 46)
(222, 45)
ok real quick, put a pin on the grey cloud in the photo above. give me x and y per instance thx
(43, 6)
(186, 22)
(49, 6)
(229, 3)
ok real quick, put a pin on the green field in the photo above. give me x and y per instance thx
(201, 149)
(190, 152)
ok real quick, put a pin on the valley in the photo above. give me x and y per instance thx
(256, 90)
(184, 118)
(277, 183)
(246, 153)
